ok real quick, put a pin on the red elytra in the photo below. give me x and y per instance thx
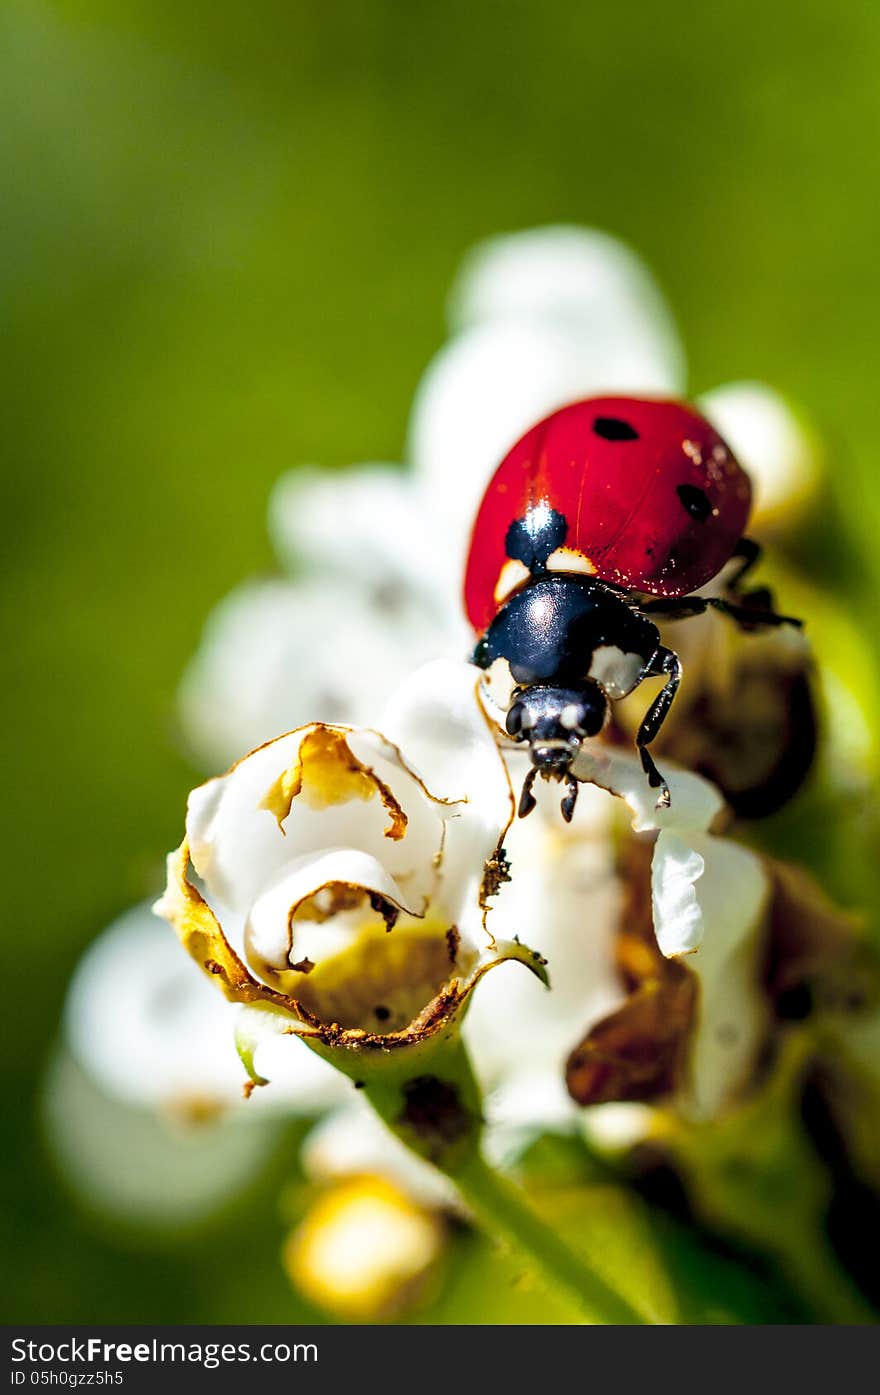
(649, 494)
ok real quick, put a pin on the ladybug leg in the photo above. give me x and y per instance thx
(748, 553)
(570, 799)
(664, 661)
(750, 616)
(527, 800)
(675, 607)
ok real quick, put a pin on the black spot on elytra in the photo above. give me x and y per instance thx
(532, 539)
(614, 429)
(695, 500)
(383, 1013)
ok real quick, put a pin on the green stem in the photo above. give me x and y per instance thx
(502, 1209)
(429, 1097)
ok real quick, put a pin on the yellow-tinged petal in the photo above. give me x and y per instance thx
(325, 772)
(198, 929)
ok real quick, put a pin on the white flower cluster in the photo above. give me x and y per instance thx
(317, 830)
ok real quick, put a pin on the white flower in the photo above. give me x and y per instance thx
(344, 900)
(376, 556)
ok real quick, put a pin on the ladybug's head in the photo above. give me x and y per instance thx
(554, 721)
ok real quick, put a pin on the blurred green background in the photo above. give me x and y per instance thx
(227, 233)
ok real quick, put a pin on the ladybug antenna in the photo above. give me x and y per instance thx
(527, 800)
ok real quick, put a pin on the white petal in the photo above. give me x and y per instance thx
(277, 654)
(526, 1102)
(132, 1163)
(569, 273)
(732, 1011)
(437, 719)
(616, 1126)
(703, 886)
(564, 893)
(694, 802)
(678, 916)
(367, 523)
(772, 444)
(353, 1141)
(271, 940)
(239, 849)
(487, 387)
(145, 1025)
(302, 1082)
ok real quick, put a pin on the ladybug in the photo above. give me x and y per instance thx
(603, 519)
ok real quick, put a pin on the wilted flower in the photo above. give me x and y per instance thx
(346, 900)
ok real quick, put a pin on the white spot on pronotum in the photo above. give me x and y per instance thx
(616, 671)
(497, 689)
(568, 717)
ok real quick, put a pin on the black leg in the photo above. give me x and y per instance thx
(570, 799)
(748, 553)
(753, 615)
(665, 661)
(684, 607)
(527, 800)
(675, 607)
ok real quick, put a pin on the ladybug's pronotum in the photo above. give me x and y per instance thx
(605, 516)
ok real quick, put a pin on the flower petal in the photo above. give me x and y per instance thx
(316, 788)
(637, 1053)
(276, 654)
(302, 1081)
(694, 802)
(566, 273)
(732, 1016)
(133, 1164)
(437, 717)
(366, 523)
(564, 893)
(678, 916)
(778, 450)
(199, 931)
(144, 1028)
(334, 885)
(701, 885)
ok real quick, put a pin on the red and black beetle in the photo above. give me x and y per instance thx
(604, 517)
